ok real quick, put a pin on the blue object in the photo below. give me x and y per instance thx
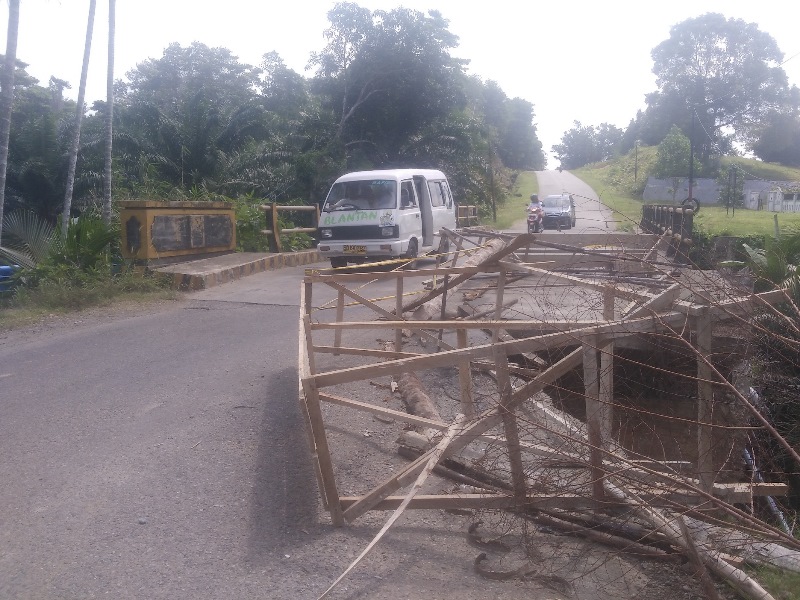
(5, 277)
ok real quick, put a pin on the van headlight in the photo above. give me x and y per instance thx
(387, 231)
(326, 233)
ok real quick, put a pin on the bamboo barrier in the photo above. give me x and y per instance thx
(274, 229)
(526, 434)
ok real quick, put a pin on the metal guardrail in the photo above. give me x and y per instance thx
(675, 222)
(274, 229)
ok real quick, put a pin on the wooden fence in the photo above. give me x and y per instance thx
(467, 216)
(675, 222)
(274, 230)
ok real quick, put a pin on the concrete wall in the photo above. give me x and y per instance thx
(154, 230)
(758, 194)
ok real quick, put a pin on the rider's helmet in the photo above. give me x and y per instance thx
(534, 197)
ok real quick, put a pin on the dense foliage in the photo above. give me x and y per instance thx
(584, 144)
(673, 156)
(197, 123)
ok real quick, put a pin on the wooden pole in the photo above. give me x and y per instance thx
(337, 336)
(305, 370)
(306, 303)
(465, 378)
(444, 309)
(510, 427)
(606, 391)
(322, 451)
(459, 247)
(398, 308)
(383, 312)
(705, 399)
(276, 228)
(498, 310)
(594, 420)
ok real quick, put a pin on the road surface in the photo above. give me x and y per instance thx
(592, 216)
(158, 453)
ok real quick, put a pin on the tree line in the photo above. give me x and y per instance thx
(721, 84)
(197, 123)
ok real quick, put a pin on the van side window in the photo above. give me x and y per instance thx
(437, 197)
(444, 191)
(407, 197)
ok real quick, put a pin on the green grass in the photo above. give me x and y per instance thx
(762, 170)
(715, 220)
(513, 209)
(614, 182)
(783, 585)
(26, 306)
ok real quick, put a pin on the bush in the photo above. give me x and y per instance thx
(66, 287)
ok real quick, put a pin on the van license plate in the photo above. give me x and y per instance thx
(351, 249)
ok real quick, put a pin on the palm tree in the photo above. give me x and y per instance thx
(7, 97)
(76, 133)
(109, 114)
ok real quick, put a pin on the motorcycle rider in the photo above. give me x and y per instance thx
(535, 208)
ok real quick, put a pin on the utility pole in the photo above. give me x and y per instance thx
(491, 188)
(691, 162)
(729, 191)
(636, 162)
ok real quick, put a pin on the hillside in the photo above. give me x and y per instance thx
(620, 183)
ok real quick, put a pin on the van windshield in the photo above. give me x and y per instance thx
(362, 195)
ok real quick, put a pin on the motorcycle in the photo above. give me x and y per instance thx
(535, 221)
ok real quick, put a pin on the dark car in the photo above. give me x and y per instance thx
(6, 277)
(559, 211)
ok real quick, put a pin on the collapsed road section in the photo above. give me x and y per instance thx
(583, 378)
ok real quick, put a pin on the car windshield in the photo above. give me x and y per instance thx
(365, 194)
(554, 202)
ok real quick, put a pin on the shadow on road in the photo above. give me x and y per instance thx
(284, 497)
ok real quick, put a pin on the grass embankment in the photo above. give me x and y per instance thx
(781, 584)
(513, 209)
(626, 209)
(26, 306)
(620, 182)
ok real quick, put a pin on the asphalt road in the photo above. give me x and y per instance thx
(160, 453)
(592, 215)
(155, 456)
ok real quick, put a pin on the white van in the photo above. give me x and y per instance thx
(373, 215)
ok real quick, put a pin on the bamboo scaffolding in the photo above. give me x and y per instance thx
(610, 476)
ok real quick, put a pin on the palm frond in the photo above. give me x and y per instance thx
(19, 258)
(28, 236)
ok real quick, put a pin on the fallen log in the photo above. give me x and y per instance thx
(621, 543)
(747, 587)
(445, 469)
(413, 445)
(416, 400)
(432, 306)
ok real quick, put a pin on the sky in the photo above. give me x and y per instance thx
(577, 60)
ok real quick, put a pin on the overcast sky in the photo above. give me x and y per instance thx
(582, 60)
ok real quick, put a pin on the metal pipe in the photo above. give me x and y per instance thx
(748, 458)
